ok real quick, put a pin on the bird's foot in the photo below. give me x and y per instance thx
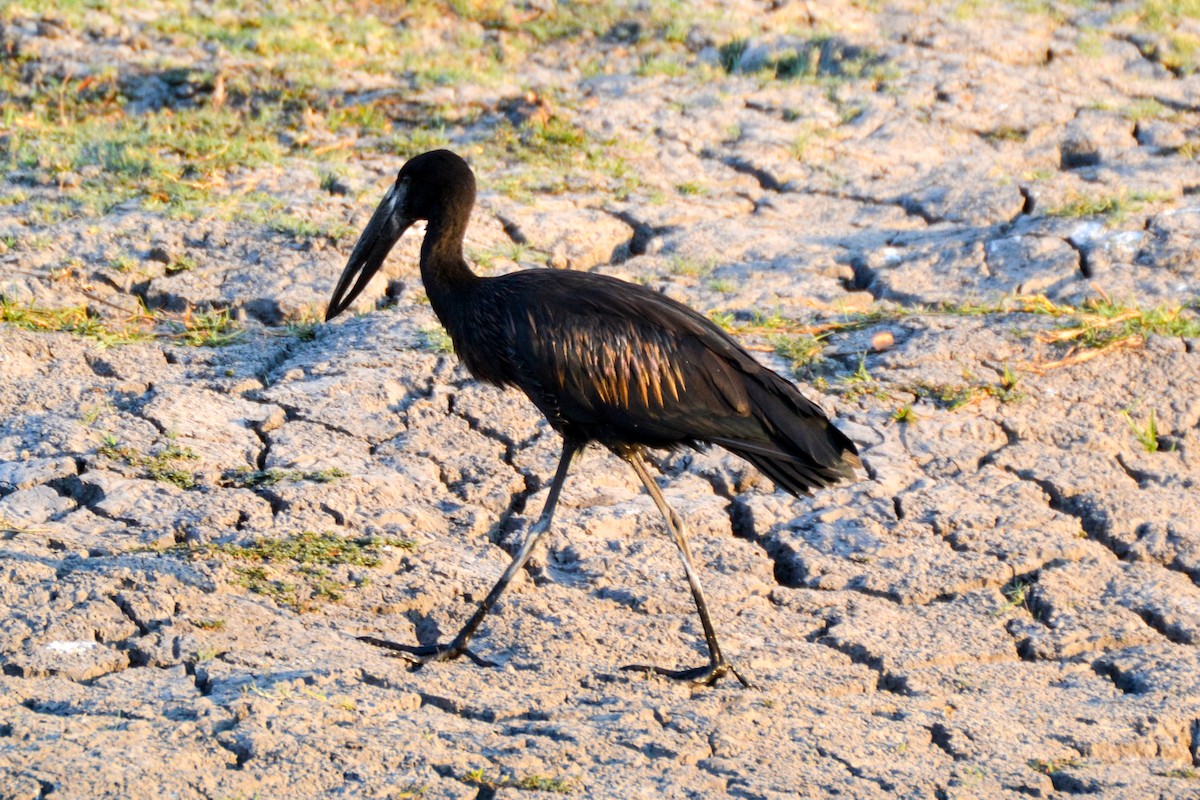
(707, 675)
(419, 655)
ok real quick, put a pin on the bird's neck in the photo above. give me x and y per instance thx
(444, 271)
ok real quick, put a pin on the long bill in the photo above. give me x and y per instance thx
(377, 239)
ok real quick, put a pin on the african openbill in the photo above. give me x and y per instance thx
(606, 361)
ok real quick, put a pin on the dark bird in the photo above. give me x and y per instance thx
(606, 361)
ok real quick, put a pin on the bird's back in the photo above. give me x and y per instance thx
(623, 365)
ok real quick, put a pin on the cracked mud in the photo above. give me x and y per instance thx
(971, 214)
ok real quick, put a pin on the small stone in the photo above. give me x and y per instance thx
(1094, 136)
(1161, 135)
(52, 28)
(337, 186)
(1078, 152)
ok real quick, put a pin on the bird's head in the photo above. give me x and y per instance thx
(437, 186)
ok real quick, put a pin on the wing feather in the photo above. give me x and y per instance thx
(625, 365)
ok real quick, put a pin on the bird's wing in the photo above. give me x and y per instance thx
(633, 361)
(626, 365)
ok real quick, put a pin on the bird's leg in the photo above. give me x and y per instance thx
(458, 645)
(717, 665)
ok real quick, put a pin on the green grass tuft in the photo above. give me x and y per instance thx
(75, 320)
(1115, 207)
(208, 329)
(252, 479)
(802, 350)
(1146, 433)
(435, 340)
(1051, 766)
(534, 783)
(163, 465)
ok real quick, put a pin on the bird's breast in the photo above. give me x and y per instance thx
(482, 342)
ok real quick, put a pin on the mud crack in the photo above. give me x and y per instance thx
(939, 734)
(1091, 522)
(857, 772)
(887, 681)
(643, 234)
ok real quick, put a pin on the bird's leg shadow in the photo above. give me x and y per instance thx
(706, 675)
(420, 655)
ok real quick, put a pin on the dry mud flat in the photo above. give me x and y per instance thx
(1007, 605)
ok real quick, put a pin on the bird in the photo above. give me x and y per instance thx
(608, 363)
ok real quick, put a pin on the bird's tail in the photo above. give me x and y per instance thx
(798, 448)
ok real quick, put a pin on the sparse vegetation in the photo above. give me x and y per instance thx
(1102, 323)
(308, 548)
(90, 413)
(1114, 207)
(196, 154)
(1051, 766)
(821, 58)
(671, 66)
(769, 322)
(303, 570)
(1146, 433)
(293, 225)
(1173, 45)
(208, 329)
(1086, 331)
(164, 160)
(1009, 379)
(731, 54)
(1090, 43)
(1145, 108)
(436, 340)
(803, 350)
(860, 383)
(534, 783)
(164, 465)
(123, 263)
(723, 319)
(1016, 595)
(1097, 324)
(251, 479)
(1088, 206)
(181, 263)
(209, 624)
(213, 328)
(303, 331)
(953, 396)
(1006, 133)
(691, 267)
(860, 375)
(76, 320)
